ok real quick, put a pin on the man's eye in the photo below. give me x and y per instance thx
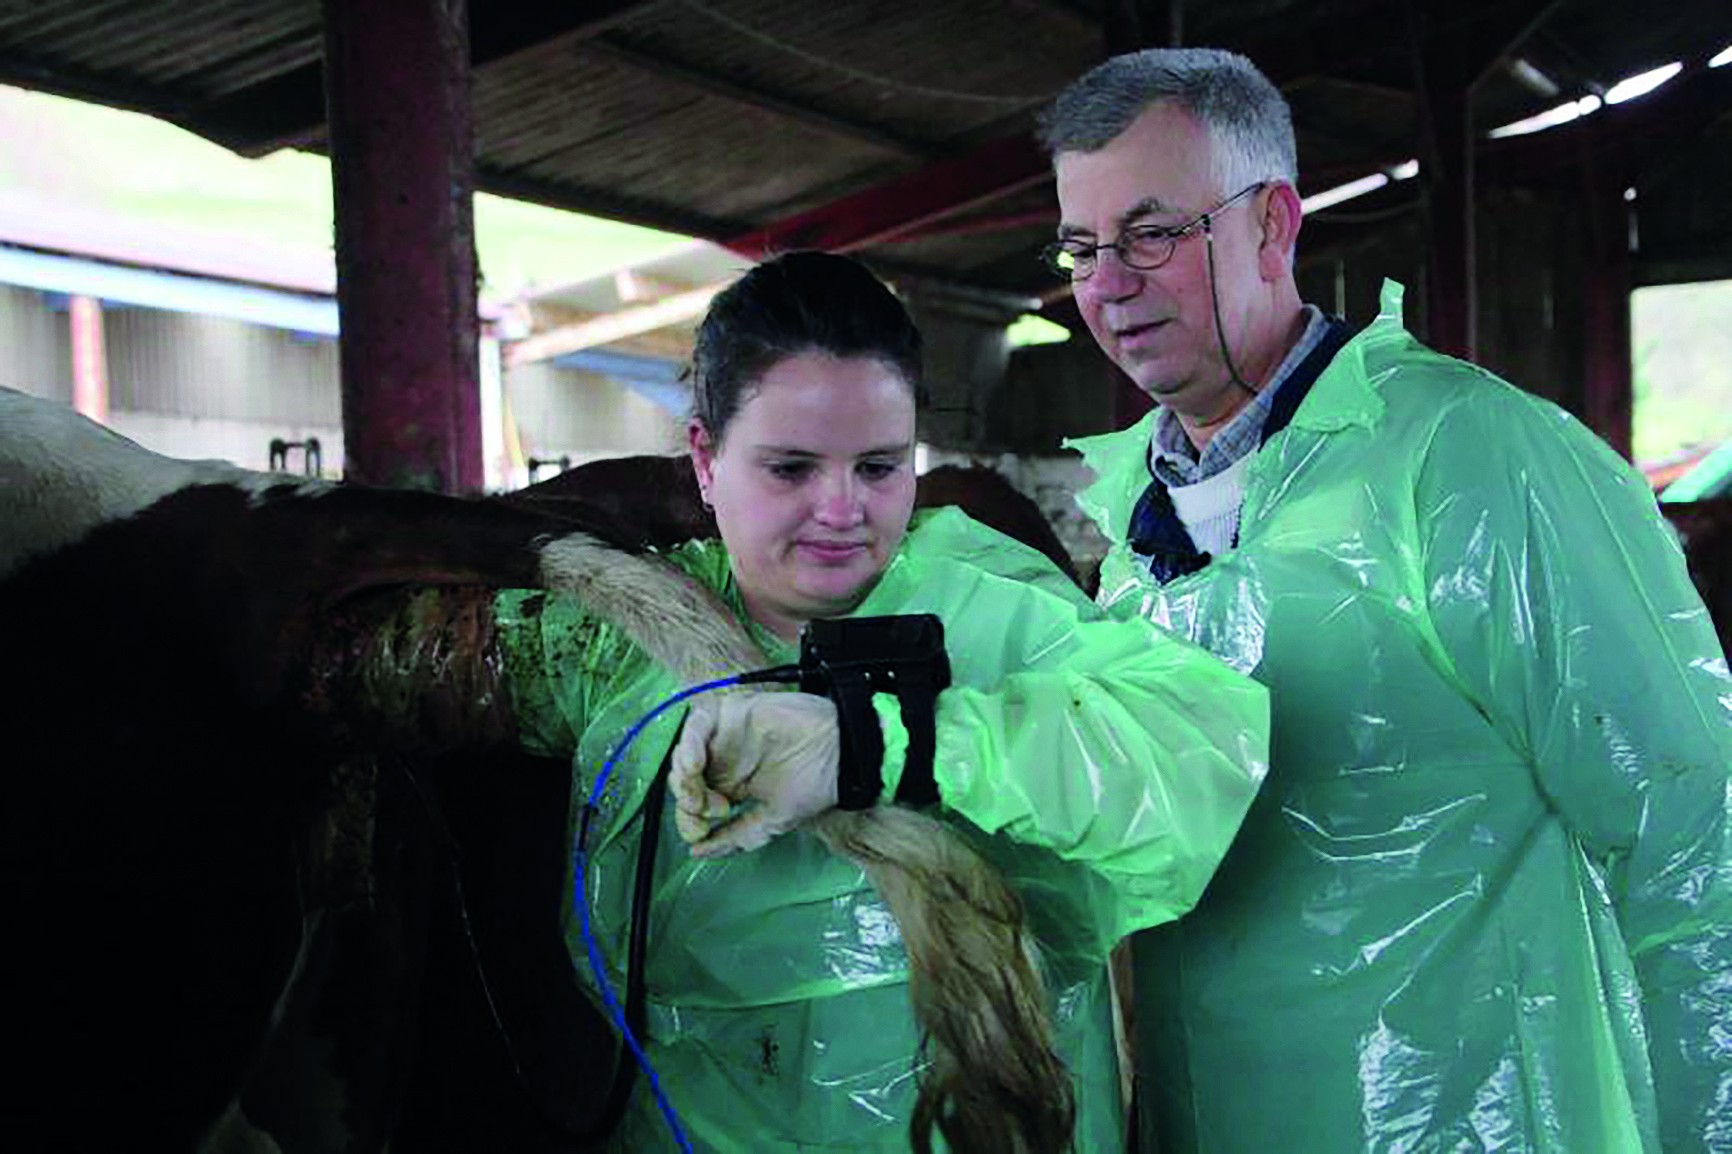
(878, 470)
(788, 470)
(1148, 236)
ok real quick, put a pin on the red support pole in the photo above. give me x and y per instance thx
(1449, 249)
(89, 360)
(402, 163)
(908, 203)
(1608, 385)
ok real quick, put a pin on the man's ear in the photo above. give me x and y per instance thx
(703, 453)
(1280, 231)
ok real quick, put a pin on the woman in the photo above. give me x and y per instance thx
(1102, 766)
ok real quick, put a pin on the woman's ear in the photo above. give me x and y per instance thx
(703, 453)
(1281, 217)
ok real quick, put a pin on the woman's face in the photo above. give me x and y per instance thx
(812, 484)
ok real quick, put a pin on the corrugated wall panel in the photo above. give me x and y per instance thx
(563, 412)
(35, 345)
(179, 363)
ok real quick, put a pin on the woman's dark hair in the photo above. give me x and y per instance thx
(800, 302)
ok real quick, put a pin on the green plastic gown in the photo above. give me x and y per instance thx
(1484, 901)
(1104, 764)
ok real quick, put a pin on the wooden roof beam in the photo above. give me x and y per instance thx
(714, 84)
(906, 203)
(289, 109)
(569, 197)
(610, 328)
(917, 201)
(1631, 135)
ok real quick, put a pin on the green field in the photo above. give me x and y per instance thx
(1681, 341)
(150, 172)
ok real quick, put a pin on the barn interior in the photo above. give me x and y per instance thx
(1523, 166)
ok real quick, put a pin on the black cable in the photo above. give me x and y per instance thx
(637, 950)
(1215, 303)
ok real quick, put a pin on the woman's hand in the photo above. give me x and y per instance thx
(778, 751)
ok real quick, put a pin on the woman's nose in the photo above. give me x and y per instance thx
(839, 500)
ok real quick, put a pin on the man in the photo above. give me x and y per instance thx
(1484, 899)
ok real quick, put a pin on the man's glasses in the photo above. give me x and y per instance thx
(1140, 246)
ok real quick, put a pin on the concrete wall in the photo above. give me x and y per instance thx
(35, 345)
(562, 412)
(208, 387)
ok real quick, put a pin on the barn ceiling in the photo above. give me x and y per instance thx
(898, 129)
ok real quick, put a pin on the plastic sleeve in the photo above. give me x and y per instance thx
(1131, 755)
(1563, 602)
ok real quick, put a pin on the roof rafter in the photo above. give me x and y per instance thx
(714, 84)
(600, 202)
(289, 109)
(1001, 167)
(907, 202)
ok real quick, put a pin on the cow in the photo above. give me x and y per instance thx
(208, 906)
(1705, 531)
(658, 496)
(237, 923)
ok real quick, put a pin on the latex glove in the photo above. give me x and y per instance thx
(776, 751)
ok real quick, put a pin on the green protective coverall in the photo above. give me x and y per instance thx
(1103, 765)
(1484, 901)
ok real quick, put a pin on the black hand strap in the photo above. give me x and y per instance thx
(918, 693)
(859, 774)
(851, 658)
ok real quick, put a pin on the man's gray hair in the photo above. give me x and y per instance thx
(1245, 115)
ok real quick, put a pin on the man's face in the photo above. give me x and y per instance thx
(1159, 325)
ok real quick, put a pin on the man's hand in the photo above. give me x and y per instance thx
(776, 750)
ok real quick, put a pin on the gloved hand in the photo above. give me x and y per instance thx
(776, 750)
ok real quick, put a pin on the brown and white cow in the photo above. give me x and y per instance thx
(235, 922)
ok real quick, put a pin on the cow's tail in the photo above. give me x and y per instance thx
(994, 1083)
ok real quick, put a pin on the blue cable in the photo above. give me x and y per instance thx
(591, 946)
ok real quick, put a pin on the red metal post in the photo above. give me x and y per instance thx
(1449, 248)
(1608, 384)
(402, 162)
(908, 203)
(89, 360)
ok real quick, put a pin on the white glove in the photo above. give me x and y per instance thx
(777, 750)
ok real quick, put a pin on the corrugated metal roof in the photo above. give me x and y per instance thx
(720, 116)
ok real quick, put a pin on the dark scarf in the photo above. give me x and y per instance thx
(1158, 535)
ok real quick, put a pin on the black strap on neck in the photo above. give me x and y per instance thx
(1158, 534)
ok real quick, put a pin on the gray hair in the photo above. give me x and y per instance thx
(1245, 115)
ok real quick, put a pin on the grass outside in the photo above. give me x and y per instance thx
(1681, 341)
(150, 172)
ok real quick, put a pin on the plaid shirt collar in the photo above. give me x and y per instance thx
(1175, 460)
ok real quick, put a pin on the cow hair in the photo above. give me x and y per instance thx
(678, 622)
(994, 1083)
(61, 478)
